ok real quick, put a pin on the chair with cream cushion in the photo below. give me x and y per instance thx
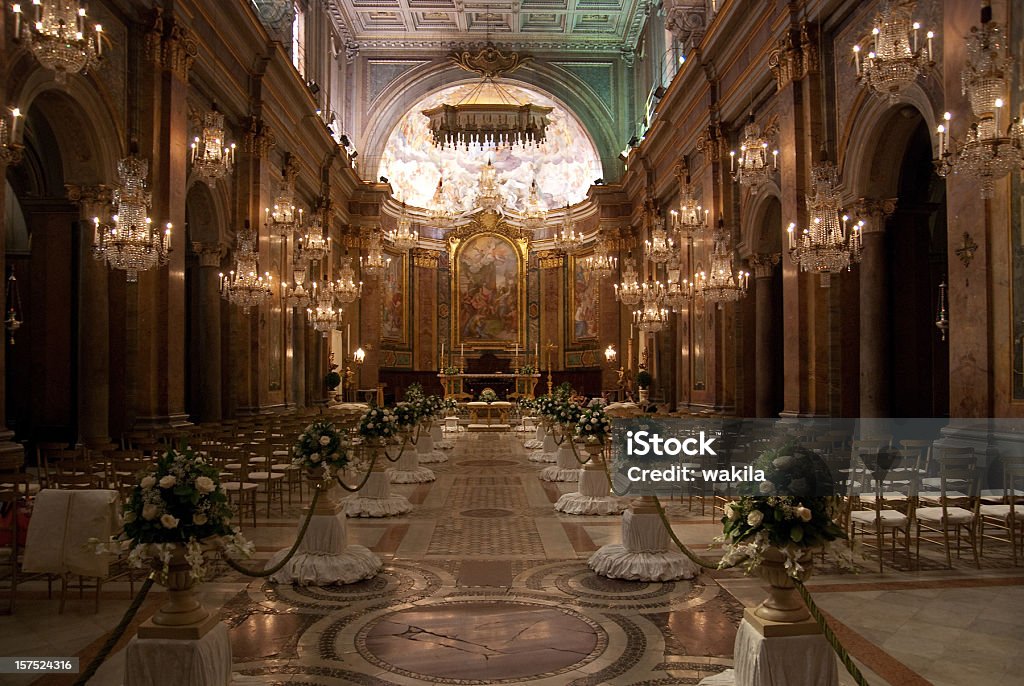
(881, 510)
(957, 509)
(1009, 514)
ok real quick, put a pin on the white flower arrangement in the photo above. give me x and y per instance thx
(594, 425)
(321, 445)
(378, 423)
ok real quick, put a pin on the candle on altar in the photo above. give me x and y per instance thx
(348, 341)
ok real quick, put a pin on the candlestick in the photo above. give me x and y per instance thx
(732, 160)
(917, 27)
(99, 40)
(998, 108)
(930, 36)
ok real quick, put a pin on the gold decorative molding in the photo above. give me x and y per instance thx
(170, 45)
(874, 212)
(967, 248)
(550, 259)
(210, 254)
(91, 200)
(489, 62)
(259, 138)
(763, 264)
(796, 56)
(711, 142)
(421, 257)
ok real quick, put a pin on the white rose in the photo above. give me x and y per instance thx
(766, 488)
(783, 461)
(755, 518)
(732, 511)
(199, 519)
(148, 482)
(315, 457)
(804, 514)
(149, 511)
(324, 440)
(168, 521)
(370, 425)
(168, 481)
(204, 484)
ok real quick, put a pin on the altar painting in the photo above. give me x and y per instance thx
(393, 300)
(488, 292)
(584, 295)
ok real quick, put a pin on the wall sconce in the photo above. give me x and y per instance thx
(610, 354)
(359, 355)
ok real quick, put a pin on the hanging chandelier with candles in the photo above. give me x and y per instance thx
(130, 241)
(534, 210)
(653, 315)
(752, 168)
(720, 284)
(314, 245)
(489, 115)
(828, 245)
(375, 262)
(690, 219)
(346, 289)
(404, 237)
(629, 291)
(566, 239)
(283, 219)
(442, 210)
(244, 286)
(678, 290)
(488, 192)
(296, 295)
(661, 246)
(994, 144)
(897, 56)
(323, 317)
(212, 158)
(603, 262)
(58, 33)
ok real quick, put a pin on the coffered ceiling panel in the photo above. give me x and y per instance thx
(538, 25)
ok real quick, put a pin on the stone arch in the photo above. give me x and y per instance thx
(755, 236)
(415, 84)
(206, 213)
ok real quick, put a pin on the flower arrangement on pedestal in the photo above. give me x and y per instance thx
(406, 415)
(449, 405)
(594, 426)
(414, 392)
(488, 396)
(451, 371)
(179, 503)
(527, 369)
(378, 424)
(791, 510)
(548, 408)
(569, 413)
(430, 408)
(321, 445)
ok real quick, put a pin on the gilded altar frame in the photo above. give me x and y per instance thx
(484, 224)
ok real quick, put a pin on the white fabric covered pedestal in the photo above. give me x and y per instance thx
(173, 662)
(771, 661)
(566, 468)
(548, 451)
(425, 451)
(593, 497)
(375, 499)
(643, 554)
(437, 435)
(407, 469)
(537, 441)
(324, 556)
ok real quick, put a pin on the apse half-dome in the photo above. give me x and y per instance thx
(564, 165)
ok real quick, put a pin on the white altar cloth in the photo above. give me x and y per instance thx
(62, 523)
(783, 660)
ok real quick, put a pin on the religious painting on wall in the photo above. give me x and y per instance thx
(393, 300)
(584, 294)
(488, 292)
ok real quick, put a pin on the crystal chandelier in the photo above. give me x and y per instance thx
(314, 245)
(57, 34)
(629, 291)
(403, 237)
(678, 291)
(346, 289)
(130, 241)
(489, 116)
(533, 212)
(691, 218)
(244, 286)
(212, 158)
(602, 263)
(720, 284)
(566, 239)
(994, 144)
(661, 246)
(297, 295)
(488, 195)
(441, 211)
(896, 59)
(283, 220)
(827, 246)
(751, 168)
(652, 316)
(323, 317)
(375, 262)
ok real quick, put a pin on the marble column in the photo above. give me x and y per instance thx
(93, 321)
(874, 314)
(298, 319)
(210, 393)
(8, 155)
(763, 266)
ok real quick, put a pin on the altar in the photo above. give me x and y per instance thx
(464, 387)
(489, 416)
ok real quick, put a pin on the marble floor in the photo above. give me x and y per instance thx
(484, 583)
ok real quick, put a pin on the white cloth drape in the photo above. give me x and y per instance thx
(783, 661)
(324, 556)
(168, 662)
(62, 523)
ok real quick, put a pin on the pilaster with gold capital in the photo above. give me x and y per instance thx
(874, 212)
(763, 264)
(210, 254)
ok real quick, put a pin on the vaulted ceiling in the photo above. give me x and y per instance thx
(538, 25)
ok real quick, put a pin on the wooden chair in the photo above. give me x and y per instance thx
(957, 511)
(234, 480)
(1008, 515)
(10, 546)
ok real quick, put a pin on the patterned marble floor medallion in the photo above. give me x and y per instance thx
(396, 582)
(481, 642)
(487, 513)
